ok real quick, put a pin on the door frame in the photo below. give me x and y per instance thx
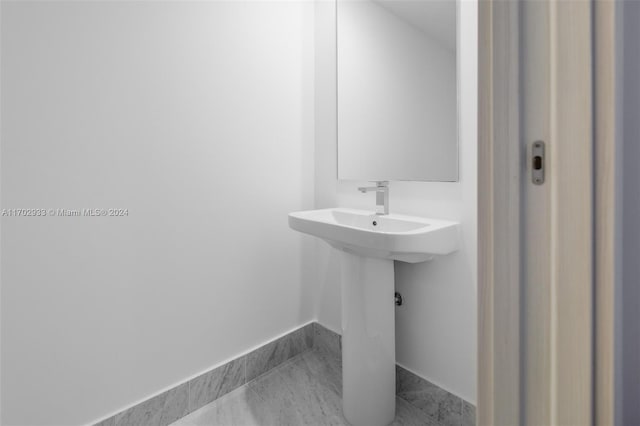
(570, 322)
(498, 215)
(608, 135)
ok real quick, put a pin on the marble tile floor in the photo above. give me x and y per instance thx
(304, 391)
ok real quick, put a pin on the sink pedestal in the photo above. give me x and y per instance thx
(368, 244)
(368, 340)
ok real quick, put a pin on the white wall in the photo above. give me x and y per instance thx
(198, 118)
(436, 327)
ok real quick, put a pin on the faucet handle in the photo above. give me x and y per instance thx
(381, 185)
(382, 195)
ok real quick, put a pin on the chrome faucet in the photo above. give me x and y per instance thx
(382, 195)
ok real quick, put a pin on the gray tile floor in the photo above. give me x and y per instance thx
(304, 391)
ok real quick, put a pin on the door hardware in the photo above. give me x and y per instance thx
(537, 163)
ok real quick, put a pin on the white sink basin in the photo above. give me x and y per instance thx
(395, 237)
(367, 245)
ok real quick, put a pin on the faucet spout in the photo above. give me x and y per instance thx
(382, 196)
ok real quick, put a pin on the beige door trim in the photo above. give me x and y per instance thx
(606, 134)
(572, 213)
(535, 243)
(498, 216)
(535, 30)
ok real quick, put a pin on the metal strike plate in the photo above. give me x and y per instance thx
(537, 163)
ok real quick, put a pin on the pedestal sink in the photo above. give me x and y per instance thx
(368, 244)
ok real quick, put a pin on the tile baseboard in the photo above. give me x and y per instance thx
(175, 403)
(167, 407)
(326, 341)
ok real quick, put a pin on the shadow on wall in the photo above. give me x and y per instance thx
(328, 275)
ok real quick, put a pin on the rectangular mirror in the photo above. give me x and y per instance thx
(397, 90)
